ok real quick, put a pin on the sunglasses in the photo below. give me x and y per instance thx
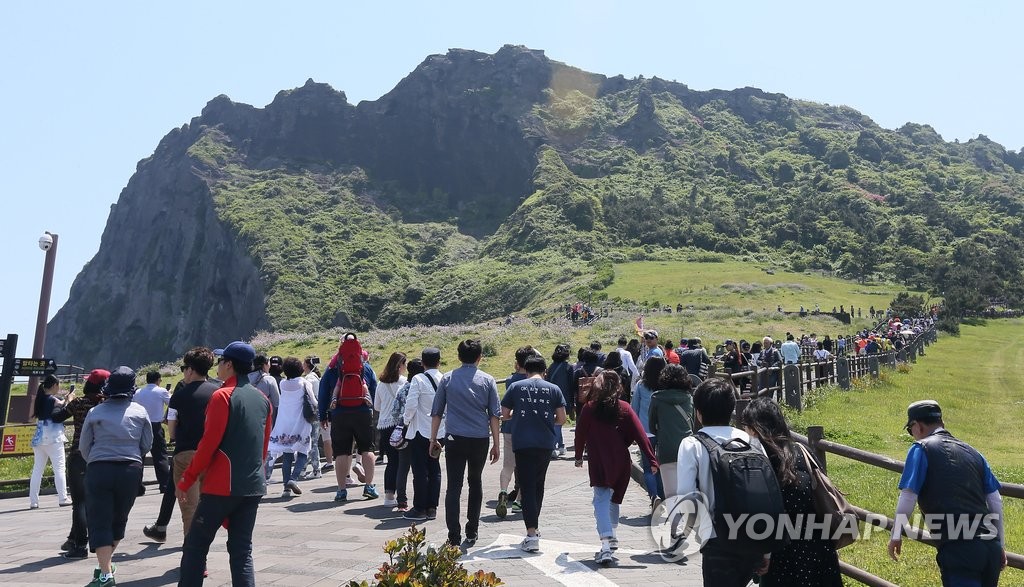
(909, 427)
(183, 367)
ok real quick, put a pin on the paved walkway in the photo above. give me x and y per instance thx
(310, 540)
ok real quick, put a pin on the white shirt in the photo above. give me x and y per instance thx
(155, 399)
(384, 401)
(693, 471)
(629, 364)
(418, 405)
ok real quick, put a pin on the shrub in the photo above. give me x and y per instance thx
(414, 564)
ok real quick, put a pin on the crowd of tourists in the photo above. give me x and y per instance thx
(231, 426)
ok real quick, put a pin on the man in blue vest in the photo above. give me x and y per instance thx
(959, 497)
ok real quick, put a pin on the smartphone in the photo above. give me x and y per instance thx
(435, 451)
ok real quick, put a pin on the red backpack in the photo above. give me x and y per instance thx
(350, 391)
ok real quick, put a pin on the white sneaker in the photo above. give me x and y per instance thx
(554, 454)
(530, 544)
(349, 482)
(357, 468)
(603, 557)
(561, 451)
(613, 544)
(294, 487)
(390, 502)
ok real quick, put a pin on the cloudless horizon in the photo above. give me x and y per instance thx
(91, 88)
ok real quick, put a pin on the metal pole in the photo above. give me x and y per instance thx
(38, 345)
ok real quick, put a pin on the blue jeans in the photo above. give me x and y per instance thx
(559, 441)
(213, 510)
(314, 448)
(606, 513)
(652, 481)
(288, 471)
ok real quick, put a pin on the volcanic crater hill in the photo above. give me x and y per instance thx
(483, 184)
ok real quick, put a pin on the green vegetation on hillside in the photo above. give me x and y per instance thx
(623, 171)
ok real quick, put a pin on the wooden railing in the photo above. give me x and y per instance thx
(820, 447)
(790, 382)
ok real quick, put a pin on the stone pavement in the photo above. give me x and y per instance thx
(310, 540)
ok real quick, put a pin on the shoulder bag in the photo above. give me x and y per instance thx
(829, 501)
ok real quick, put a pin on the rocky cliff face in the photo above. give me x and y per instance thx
(483, 183)
(169, 275)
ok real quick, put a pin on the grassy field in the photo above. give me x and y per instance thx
(974, 378)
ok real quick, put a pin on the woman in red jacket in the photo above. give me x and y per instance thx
(607, 426)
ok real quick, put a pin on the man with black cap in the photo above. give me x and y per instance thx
(115, 436)
(230, 457)
(959, 497)
(77, 544)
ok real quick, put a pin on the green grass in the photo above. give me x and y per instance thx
(737, 284)
(975, 380)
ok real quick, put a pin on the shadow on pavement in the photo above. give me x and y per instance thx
(170, 577)
(37, 565)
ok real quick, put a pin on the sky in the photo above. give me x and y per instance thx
(87, 89)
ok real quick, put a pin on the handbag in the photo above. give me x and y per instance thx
(308, 410)
(829, 501)
(398, 441)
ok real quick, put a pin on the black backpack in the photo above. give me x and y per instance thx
(745, 483)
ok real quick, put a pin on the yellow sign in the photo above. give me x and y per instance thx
(17, 440)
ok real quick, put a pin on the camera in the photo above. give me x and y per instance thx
(314, 360)
(46, 242)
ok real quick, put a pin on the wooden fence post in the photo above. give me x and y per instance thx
(791, 381)
(741, 404)
(873, 366)
(814, 434)
(843, 372)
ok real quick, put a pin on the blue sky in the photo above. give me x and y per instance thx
(87, 89)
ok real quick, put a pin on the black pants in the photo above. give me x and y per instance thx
(391, 454)
(426, 474)
(76, 487)
(213, 510)
(110, 491)
(722, 567)
(402, 477)
(159, 453)
(462, 452)
(970, 562)
(166, 506)
(531, 470)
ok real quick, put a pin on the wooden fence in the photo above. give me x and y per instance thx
(791, 381)
(820, 447)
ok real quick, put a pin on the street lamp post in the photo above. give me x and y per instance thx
(48, 243)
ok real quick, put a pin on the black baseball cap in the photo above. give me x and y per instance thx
(927, 409)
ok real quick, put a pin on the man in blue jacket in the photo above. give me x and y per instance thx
(349, 425)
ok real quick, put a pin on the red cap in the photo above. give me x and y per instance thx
(98, 377)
